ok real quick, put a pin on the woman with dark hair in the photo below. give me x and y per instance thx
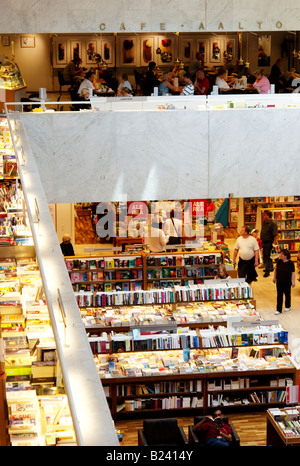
(284, 277)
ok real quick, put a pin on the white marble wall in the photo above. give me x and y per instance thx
(76, 16)
(103, 156)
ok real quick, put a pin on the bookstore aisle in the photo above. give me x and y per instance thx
(250, 426)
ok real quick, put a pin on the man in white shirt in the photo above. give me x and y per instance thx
(87, 83)
(248, 249)
(173, 228)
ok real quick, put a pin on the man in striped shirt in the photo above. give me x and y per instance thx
(189, 87)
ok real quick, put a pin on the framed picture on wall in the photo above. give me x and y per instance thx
(147, 47)
(186, 49)
(107, 51)
(61, 56)
(202, 48)
(229, 49)
(264, 50)
(27, 42)
(127, 51)
(76, 49)
(90, 49)
(215, 50)
(5, 40)
(166, 47)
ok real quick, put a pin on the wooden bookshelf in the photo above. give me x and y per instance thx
(142, 271)
(180, 394)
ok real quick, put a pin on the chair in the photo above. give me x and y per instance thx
(161, 432)
(61, 81)
(198, 438)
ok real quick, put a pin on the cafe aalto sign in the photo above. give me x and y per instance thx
(201, 27)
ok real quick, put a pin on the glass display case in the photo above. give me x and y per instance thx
(10, 75)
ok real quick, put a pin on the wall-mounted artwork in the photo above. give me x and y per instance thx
(27, 42)
(186, 49)
(229, 50)
(75, 49)
(61, 53)
(91, 49)
(202, 49)
(147, 50)
(166, 48)
(215, 50)
(264, 50)
(127, 51)
(107, 51)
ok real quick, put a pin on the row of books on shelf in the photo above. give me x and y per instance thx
(133, 285)
(103, 263)
(288, 213)
(189, 340)
(172, 362)
(165, 386)
(184, 260)
(222, 336)
(226, 291)
(288, 224)
(237, 383)
(289, 235)
(250, 218)
(171, 402)
(258, 200)
(291, 245)
(135, 274)
(195, 292)
(125, 298)
(256, 397)
(181, 272)
(183, 313)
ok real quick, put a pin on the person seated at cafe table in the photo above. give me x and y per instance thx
(189, 86)
(167, 86)
(201, 84)
(87, 82)
(221, 81)
(262, 84)
(124, 87)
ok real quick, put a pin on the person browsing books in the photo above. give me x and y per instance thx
(268, 236)
(247, 248)
(156, 239)
(284, 277)
(222, 272)
(217, 432)
(173, 228)
(66, 246)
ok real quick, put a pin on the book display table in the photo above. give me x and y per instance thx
(283, 427)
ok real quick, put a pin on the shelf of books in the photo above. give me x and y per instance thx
(30, 359)
(283, 424)
(253, 207)
(164, 271)
(142, 271)
(33, 406)
(106, 273)
(164, 349)
(288, 223)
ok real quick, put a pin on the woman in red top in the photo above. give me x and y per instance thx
(201, 84)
